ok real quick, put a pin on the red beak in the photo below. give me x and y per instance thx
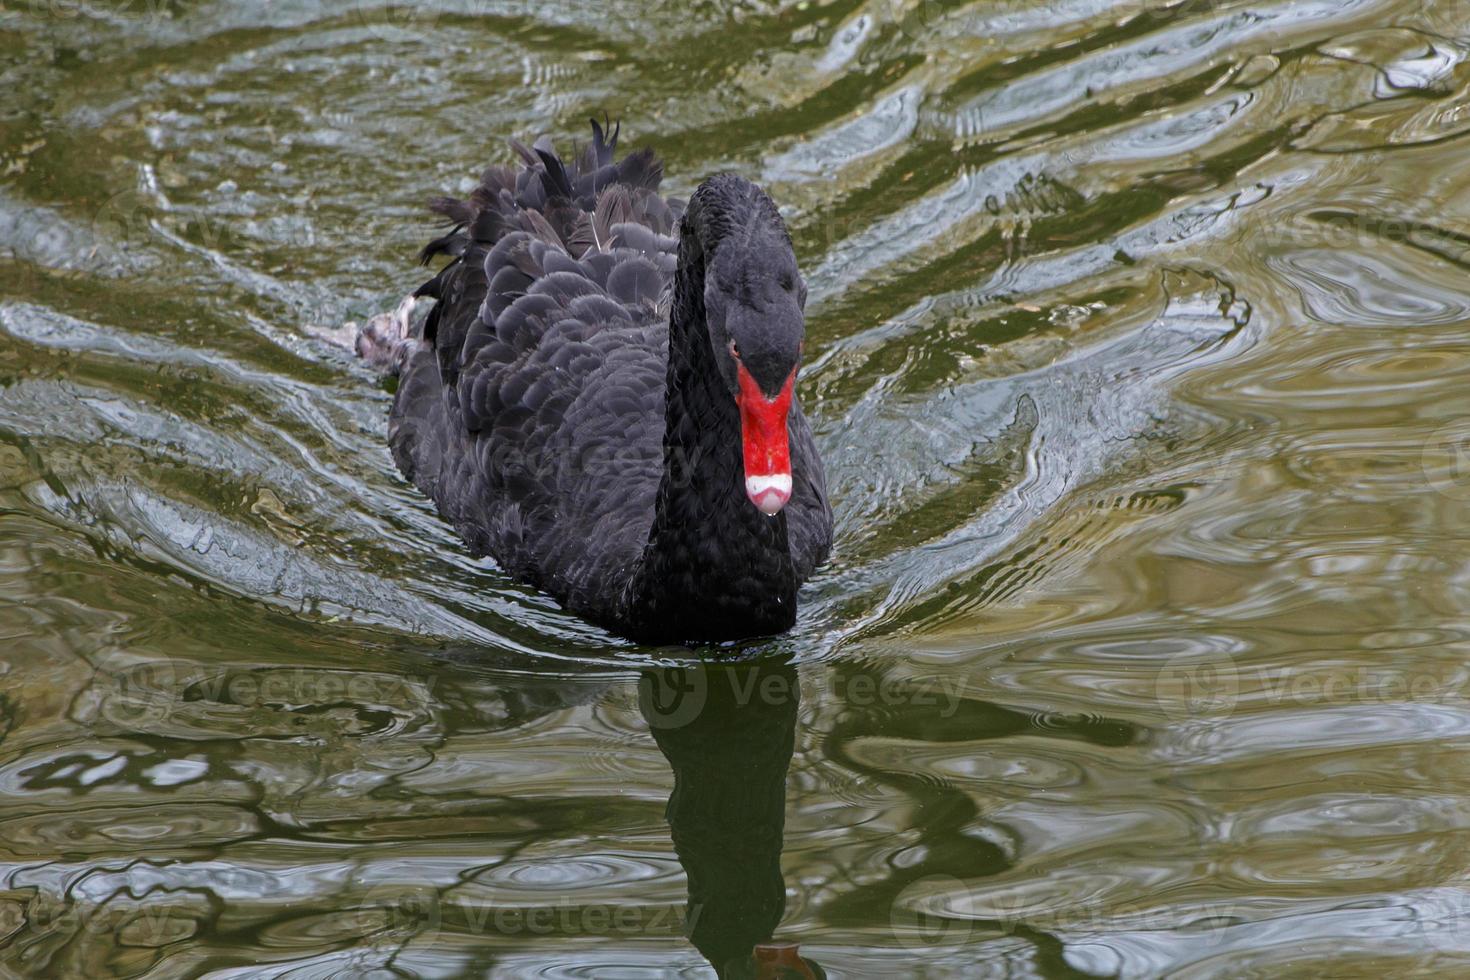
(763, 438)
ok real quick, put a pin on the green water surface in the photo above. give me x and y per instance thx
(1139, 354)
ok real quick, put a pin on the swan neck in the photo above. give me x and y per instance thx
(712, 560)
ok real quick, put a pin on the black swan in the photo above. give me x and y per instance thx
(602, 397)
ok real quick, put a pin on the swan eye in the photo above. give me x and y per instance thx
(787, 283)
(734, 350)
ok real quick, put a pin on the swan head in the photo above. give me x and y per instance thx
(754, 299)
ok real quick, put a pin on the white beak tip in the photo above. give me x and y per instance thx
(769, 493)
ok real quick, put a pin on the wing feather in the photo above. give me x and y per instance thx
(547, 365)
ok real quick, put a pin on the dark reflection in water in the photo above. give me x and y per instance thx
(728, 733)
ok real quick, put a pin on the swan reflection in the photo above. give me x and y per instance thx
(727, 731)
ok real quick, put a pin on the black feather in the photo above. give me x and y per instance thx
(538, 413)
(557, 184)
(453, 243)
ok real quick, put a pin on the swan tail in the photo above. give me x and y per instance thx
(551, 196)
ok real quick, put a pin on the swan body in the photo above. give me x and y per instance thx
(602, 396)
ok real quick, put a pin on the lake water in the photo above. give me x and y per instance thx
(1138, 343)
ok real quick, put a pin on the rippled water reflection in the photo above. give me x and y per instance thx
(1139, 337)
